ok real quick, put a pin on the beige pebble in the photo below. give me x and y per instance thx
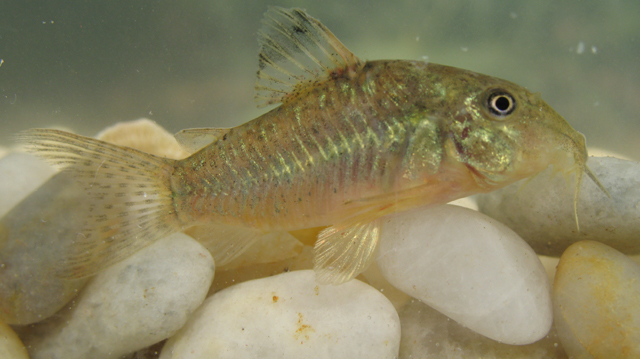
(144, 135)
(10, 345)
(466, 202)
(596, 297)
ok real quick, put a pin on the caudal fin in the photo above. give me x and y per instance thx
(128, 191)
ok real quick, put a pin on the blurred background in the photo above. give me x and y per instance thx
(86, 65)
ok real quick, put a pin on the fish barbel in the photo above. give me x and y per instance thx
(351, 142)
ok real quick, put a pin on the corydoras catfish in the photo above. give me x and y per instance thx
(351, 142)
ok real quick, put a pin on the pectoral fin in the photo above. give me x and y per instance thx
(344, 251)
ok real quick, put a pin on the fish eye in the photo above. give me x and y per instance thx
(500, 103)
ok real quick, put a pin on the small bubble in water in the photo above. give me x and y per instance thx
(580, 48)
(594, 50)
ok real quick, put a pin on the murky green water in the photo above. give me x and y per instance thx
(85, 65)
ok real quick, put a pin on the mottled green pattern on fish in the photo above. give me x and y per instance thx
(343, 140)
(353, 141)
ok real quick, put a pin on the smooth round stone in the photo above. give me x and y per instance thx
(470, 267)
(10, 345)
(541, 210)
(428, 334)
(596, 297)
(131, 305)
(35, 237)
(20, 174)
(374, 278)
(290, 316)
(144, 135)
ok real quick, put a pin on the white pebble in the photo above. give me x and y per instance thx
(541, 211)
(290, 316)
(35, 237)
(131, 305)
(469, 267)
(428, 334)
(20, 174)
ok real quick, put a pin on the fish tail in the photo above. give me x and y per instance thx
(128, 197)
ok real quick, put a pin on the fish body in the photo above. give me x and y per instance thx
(314, 160)
(352, 142)
(395, 127)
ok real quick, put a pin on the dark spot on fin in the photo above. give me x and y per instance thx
(296, 50)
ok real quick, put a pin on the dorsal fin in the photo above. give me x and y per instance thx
(297, 50)
(194, 139)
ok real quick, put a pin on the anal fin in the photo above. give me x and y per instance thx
(233, 246)
(224, 242)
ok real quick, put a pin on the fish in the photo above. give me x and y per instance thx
(349, 143)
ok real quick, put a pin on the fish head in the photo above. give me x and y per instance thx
(503, 133)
